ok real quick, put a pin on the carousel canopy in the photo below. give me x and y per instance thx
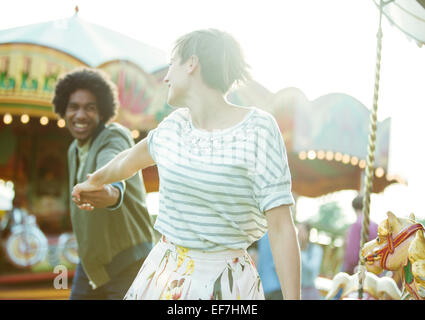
(408, 16)
(90, 43)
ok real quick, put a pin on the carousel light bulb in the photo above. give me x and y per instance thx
(354, 161)
(9, 185)
(314, 235)
(362, 164)
(25, 118)
(61, 123)
(135, 134)
(329, 155)
(302, 155)
(7, 118)
(311, 155)
(321, 155)
(338, 156)
(379, 172)
(44, 121)
(346, 159)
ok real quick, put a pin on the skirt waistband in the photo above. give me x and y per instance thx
(200, 254)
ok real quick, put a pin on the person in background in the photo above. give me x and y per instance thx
(311, 261)
(353, 237)
(116, 235)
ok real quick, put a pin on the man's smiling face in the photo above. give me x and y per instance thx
(82, 115)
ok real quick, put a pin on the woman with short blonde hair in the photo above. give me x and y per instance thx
(224, 180)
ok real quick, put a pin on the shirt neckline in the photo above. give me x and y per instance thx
(219, 131)
(85, 147)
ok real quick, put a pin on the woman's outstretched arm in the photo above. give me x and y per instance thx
(122, 166)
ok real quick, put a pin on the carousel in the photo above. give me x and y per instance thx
(36, 233)
(335, 143)
(400, 244)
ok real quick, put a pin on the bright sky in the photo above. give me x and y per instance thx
(318, 46)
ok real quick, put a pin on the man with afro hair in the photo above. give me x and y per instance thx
(112, 226)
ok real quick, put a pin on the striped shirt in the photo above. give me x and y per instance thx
(216, 186)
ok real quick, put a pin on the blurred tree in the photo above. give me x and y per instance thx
(331, 220)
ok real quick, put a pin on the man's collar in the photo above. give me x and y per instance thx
(98, 130)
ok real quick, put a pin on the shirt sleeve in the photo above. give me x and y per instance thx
(151, 138)
(158, 135)
(120, 185)
(115, 145)
(272, 179)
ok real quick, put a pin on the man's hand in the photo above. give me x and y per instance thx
(105, 197)
(86, 186)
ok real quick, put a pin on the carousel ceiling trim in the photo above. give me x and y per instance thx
(151, 78)
(30, 109)
(30, 46)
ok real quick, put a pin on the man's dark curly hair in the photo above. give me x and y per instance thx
(93, 80)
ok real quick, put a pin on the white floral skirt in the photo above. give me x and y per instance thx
(172, 272)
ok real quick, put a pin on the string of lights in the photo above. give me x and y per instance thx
(346, 159)
(25, 119)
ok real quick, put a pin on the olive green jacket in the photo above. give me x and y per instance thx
(110, 240)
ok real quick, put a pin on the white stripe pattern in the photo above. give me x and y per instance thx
(215, 187)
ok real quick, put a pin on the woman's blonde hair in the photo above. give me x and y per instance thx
(220, 56)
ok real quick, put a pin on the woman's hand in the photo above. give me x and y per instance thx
(86, 186)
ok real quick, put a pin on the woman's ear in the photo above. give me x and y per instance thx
(193, 63)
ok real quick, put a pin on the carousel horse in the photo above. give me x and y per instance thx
(345, 287)
(400, 246)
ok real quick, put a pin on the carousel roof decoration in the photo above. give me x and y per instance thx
(408, 16)
(88, 42)
(33, 57)
(326, 139)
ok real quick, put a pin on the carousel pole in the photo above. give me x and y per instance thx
(368, 179)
